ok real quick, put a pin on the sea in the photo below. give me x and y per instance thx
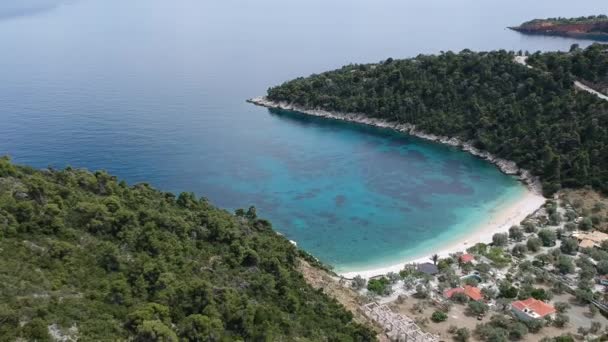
(154, 91)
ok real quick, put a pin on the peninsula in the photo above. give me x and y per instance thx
(530, 116)
(452, 98)
(591, 27)
(483, 101)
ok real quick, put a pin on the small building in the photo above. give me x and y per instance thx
(474, 293)
(603, 280)
(467, 258)
(590, 239)
(427, 268)
(531, 308)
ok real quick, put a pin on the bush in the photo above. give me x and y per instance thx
(515, 233)
(439, 316)
(585, 224)
(379, 286)
(358, 283)
(421, 291)
(602, 267)
(569, 246)
(529, 227)
(534, 244)
(393, 277)
(506, 290)
(561, 307)
(535, 325)
(547, 237)
(519, 250)
(561, 320)
(459, 297)
(565, 265)
(477, 308)
(541, 294)
(462, 335)
(500, 239)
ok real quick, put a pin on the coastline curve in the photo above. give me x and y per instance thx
(511, 215)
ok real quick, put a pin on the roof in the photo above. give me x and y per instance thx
(538, 307)
(472, 292)
(586, 243)
(467, 258)
(595, 236)
(427, 268)
(450, 292)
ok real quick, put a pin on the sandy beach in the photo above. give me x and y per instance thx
(503, 218)
(500, 222)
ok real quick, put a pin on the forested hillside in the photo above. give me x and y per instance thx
(533, 117)
(589, 66)
(90, 257)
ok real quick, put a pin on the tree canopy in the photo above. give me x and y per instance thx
(116, 262)
(532, 116)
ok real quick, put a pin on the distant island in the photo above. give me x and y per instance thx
(592, 27)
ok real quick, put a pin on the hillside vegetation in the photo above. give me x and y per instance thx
(533, 117)
(589, 66)
(86, 256)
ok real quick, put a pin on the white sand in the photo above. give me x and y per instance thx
(504, 218)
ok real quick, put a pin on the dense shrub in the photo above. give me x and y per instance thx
(133, 263)
(534, 117)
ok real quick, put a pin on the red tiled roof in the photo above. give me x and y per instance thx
(539, 307)
(467, 258)
(450, 292)
(472, 292)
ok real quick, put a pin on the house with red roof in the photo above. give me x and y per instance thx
(474, 293)
(467, 258)
(531, 308)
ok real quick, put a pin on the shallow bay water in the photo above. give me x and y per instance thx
(154, 91)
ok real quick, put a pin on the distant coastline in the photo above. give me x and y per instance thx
(592, 27)
(505, 217)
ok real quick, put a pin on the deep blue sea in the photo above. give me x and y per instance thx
(154, 91)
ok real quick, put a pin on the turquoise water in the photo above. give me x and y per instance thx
(154, 91)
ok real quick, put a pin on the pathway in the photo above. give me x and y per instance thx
(522, 60)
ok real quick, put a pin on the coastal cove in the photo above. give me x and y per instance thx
(156, 96)
(498, 216)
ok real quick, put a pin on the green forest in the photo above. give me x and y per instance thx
(589, 66)
(533, 116)
(84, 253)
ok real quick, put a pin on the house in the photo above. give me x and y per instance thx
(531, 308)
(466, 258)
(590, 239)
(474, 293)
(427, 268)
(603, 280)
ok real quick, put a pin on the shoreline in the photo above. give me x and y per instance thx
(498, 222)
(505, 166)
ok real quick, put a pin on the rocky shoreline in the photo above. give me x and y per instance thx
(506, 166)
